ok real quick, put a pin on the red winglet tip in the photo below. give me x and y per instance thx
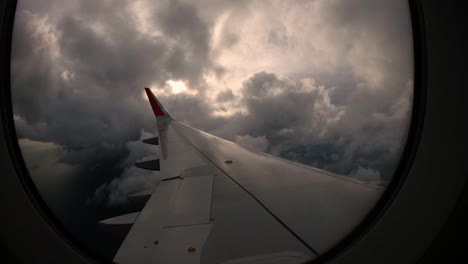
(157, 109)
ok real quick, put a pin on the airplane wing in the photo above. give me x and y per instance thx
(220, 203)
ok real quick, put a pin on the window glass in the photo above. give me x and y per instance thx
(327, 84)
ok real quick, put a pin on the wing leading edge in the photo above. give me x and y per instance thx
(218, 202)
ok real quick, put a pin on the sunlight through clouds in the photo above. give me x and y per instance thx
(177, 86)
(325, 83)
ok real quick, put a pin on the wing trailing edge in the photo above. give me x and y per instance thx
(119, 224)
(140, 197)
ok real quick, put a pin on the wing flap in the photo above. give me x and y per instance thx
(193, 202)
(181, 244)
(140, 197)
(140, 240)
(120, 220)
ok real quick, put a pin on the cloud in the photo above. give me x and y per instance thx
(225, 96)
(259, 144)
(93, 88)
(132, 179)
(44, 157)
(190, 53)
(44, 161)
(366, 175)
(326, 83)
(300, 122)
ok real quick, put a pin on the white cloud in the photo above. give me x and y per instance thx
(43, 159)
(132, 179)
(51, 176)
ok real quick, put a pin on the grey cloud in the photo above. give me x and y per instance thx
(44, 161)
(33, 52)
(382, 29)
(78, 78)
(259, 144)
(132, 179)
(225, 96)
(44, 157)
(229, 40)
(192, 109)
(300, 122)
(113, 60)
(78, 74)
(181, 22)
(280, 103)
(366, 175)
(376, 15)
(260, 84)
(115, 192)
(278, 37)
(107, 67)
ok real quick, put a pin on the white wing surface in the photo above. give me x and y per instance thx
(220, 203)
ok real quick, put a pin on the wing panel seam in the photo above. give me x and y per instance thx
(254, 197)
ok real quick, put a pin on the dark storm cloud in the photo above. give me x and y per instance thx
(77, 81)
(297, 120)
(31, 67)
(78, 71)
(276, 103)
(117, 61)
(81, 78)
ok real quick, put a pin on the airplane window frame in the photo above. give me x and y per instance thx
(30, 205)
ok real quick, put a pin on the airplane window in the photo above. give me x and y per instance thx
(268, 131)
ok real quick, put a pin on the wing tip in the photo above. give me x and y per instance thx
(158, 109)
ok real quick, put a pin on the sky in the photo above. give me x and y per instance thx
(327, 83)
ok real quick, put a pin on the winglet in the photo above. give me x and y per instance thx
(158, 109)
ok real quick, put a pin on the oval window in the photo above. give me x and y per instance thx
(268, 129)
